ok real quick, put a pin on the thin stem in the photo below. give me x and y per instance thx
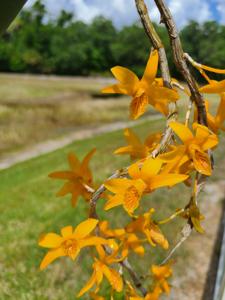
(173, 216)
(180, 61)
(198, 66)
(155, 40)
(157, 44)
(188, 113)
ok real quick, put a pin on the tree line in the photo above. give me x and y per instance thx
(66, 46)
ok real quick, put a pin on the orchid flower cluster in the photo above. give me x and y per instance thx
(187, 154)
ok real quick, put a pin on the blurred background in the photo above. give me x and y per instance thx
(86, 38)
(54, 59)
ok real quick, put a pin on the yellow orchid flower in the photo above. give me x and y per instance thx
(136, 148)
(145, 91)
(70, 242)
(151, 174)
(101, 269)
(194, 147)
(145, 225)
(79, 178)
(161, 273)
(129, 241)
(128, 193)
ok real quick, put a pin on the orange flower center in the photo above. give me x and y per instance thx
(70, 247)
(131, 199)
(203, 159)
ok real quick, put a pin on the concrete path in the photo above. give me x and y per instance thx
(51, 145)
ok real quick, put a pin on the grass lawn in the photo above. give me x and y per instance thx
(28, 207)
(36, 108)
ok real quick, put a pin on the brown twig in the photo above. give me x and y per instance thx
(155, 40)
(157, 44)
(136, 279)
(180, 61)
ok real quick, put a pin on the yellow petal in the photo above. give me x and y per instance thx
(131, 137)
(84, 169)
(66, 188)
(166, 180)
(172, 155)
(74, 197)
(202, 163)
(151, 67)
(50, 240)
(51, 256)
(85, 227)
(213, 125)
(162, 107)
(125, 76)
(63, 175)
(124, 150)
(113, 201)
(88, 285)
(152, 139)
(158, 238)
(67, 231)
(116, 89)
(117, 185)
(138, 106)
(114, 278)
(214, 88)
(134, 171)
(150, 168)
(182, 131)
(73, 161)
(93, 241)
(220, 115)
(205, 138)
(164, 94)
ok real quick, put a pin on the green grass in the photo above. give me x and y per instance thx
(28, 208)
(28, 205)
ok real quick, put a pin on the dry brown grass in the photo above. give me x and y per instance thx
(35, 108)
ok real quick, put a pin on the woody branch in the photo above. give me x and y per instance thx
(158, 45)
(179, 60)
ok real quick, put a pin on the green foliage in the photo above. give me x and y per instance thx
(37, 44)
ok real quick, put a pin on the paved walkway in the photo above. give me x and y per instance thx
(51, 145)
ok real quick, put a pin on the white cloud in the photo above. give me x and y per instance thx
(184, 11)
(123, 12)
(220, 5)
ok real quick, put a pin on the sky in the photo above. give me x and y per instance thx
(123, 12)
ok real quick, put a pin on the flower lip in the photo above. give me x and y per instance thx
(70, 246)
